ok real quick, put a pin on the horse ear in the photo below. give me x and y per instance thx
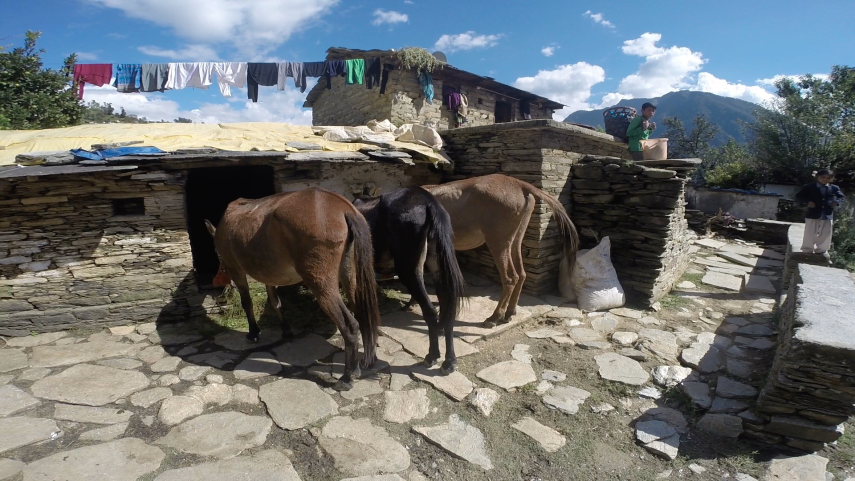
(211, 229)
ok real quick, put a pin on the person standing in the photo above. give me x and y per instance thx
(639, 129)
(821, 197)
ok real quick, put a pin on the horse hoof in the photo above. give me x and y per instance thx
(342, 386)
(357, 373)
(252, 337)
(430, 361)
(448, 367)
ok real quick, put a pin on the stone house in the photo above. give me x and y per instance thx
(404, 101)
(111, 244)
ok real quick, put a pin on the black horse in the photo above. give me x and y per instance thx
(411, 230)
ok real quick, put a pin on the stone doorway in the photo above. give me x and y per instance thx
(208, 192)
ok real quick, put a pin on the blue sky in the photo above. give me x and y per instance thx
(583, 54)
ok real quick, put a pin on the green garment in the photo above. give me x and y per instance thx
(636, 133)
(355, 71)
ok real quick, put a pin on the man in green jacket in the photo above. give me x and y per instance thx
(639, 129)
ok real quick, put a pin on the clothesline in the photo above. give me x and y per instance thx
(159, 77)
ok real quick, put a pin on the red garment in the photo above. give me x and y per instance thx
(97, 74)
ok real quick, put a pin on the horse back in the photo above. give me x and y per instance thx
(266, 238)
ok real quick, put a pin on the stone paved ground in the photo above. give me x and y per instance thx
(555, 395)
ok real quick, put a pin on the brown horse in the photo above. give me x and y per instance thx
(314, 237)
(495, 210)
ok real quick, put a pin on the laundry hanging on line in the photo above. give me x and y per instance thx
(160, 77)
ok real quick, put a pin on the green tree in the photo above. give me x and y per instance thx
(811, 126)
(31, 96)
(689, 144)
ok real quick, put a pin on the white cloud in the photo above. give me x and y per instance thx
(599, 18)
(569, 84)
(663, 70)
(389, 16)
(255, 27)
(87, 56)
(273, 106)
(188, 53)
(549, 51)
(466, 41)
(708, 82)
(795, 78)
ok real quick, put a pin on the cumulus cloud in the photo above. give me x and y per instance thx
(466, 41)
(708, 82)
(664, 69)
(549, 50)
(254, 27)
(189, 53)
(795, 78)
(274, 106)
(389, 17)
(569, 84)
(599, 18)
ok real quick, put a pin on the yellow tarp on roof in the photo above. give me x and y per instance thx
(248, 136)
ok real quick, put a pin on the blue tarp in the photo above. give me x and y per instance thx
(117, 152)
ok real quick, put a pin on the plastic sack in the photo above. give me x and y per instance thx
(594, 280)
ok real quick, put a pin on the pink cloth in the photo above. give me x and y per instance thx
(97, 74)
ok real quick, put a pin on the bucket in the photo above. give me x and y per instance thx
(655, 149)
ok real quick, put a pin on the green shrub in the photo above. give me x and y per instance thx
(732, 175)
(843, 249)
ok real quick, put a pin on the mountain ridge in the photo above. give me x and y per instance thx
(728, 113)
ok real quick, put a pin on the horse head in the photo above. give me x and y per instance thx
(222, 278)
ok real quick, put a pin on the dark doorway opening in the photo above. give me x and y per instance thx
(503, 112)
(207, 194)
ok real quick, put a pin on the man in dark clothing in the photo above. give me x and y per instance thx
(821, 197)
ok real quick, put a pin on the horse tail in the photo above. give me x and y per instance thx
(440, 232)
(365, 304)
(568, 229)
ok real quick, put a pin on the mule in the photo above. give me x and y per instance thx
(411, 230)
(495, 210)
(314, 237)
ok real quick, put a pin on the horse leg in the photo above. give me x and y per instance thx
(275, 302)
(411, 276)
(331, 303)
(517, 258)
(246, 303)
(508, 278)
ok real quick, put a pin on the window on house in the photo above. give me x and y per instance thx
(129, 206)
(503, 112)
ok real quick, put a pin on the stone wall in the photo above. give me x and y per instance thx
(349, 104)
(810, 390)
(741, 205)
(543, 153)
(404, 103)
(67, 260)
(642, 211)
(795, 256)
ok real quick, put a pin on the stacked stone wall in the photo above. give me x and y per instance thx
(642, 211)
(67, 259)
(810, 390)
(345, 104)
(404, 103)
(544, 153)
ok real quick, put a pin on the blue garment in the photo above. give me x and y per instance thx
(426, 81)
(128, 77)
(334, 68)
(117, 152)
